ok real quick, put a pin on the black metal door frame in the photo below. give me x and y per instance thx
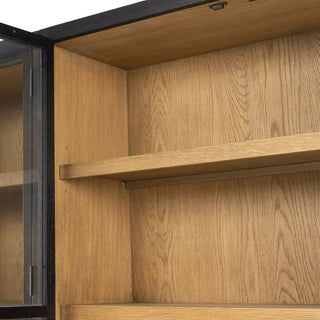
(46, 181)
(23, 57)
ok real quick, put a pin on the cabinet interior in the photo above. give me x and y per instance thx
(246, 239)
(11, 166)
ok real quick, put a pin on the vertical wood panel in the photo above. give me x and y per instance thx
(93, 255)
(238, 241)
(11, 119)
(252, 240)
(258, 91)
(11, 247)
(11, 160)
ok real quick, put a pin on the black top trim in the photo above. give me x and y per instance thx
(117, 17)
(25, 37)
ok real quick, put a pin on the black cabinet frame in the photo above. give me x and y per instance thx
(117, 17)
(47, 179)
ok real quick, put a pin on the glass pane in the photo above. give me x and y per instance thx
(20, 202)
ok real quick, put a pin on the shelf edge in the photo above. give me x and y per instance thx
(271, 152)
(172, 312)
(12, 179)
(225, 175)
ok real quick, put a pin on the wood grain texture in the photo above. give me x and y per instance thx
(11, 119)
(233, 156)
(197, 30)
(225, 175)
(251, 240)
(11, 162)
(258, 91)
(14, 179)
(248, 240)
(239, 241)
(11, 247)
(93, 257)
(11, 81)
(167, 312)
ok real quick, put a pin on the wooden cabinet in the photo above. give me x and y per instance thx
(187, 159)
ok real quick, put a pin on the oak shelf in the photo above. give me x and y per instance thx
(287, 154)
(187, 312)
(12, 179)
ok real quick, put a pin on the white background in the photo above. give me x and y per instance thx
(33, 15)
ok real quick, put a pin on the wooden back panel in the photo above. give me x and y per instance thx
(239, 241)
(93, 257)
(11, 119)
(258, 91)
(11, 160)
(11, 247)
(252, 240)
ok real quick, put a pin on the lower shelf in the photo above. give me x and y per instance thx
(12, 179)
(187, 312)
(15, 180)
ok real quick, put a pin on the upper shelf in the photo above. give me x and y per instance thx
(12, 179)
(197, 30)
(278, 151)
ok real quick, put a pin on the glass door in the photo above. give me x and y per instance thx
(26, 175)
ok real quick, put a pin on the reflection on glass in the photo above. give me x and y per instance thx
(20, 214)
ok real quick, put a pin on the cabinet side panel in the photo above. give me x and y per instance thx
(250, 241)
(93, 254)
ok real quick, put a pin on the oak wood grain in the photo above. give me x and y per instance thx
(14, 179)
(11, 247)
(160, 312)
(233, 156)
(263, 90)
(11, 119)
(252, 240)
(11, 82)
(220, 242)
(93, 257)
(248, 240)
(224, 175)
(197, 30)
(11, 166)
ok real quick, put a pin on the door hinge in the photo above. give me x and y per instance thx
(30, 281)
